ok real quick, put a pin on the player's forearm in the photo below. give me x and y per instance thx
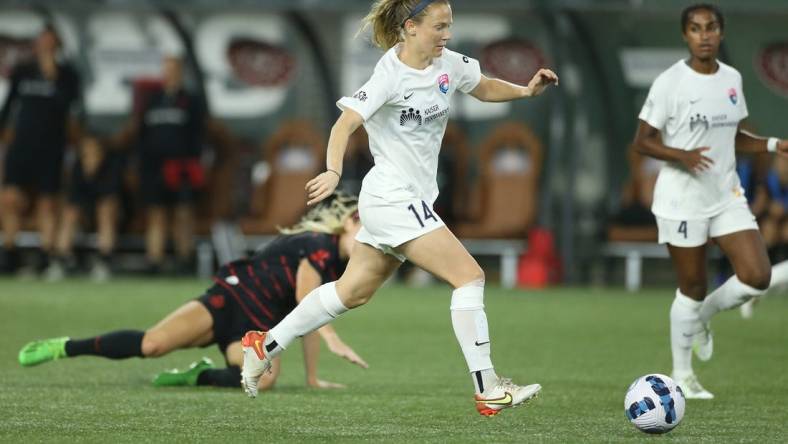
(653, 147)
(497, 90)
(337, 144)
(328, 333)
(747, 142)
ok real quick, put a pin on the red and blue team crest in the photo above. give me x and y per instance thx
(733, 96)
(443, 83)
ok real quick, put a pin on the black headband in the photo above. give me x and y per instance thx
(415, 11)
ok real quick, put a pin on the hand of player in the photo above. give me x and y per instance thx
(341, 349)
(541, 80)
(321, 187)
(320, 384)
(782, 147)
(695, 160)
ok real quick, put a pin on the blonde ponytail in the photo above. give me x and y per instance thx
(387, 17)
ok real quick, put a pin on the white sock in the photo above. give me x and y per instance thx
(684, 323)
(779, 275)
(729, 295)
(317, 309)
(470, 328)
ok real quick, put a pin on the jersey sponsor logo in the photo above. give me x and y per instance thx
(698, 121)
(361, 96)
(408, 96)
(434, 112)
(465, 59)
(43, 88)
(443, 83)
(410, 117)
(733, 96)
(166, 116)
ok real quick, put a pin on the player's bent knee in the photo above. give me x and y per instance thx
(758, 279)
(152, 346)
(359, 296)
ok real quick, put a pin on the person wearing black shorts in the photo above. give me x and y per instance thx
(96, 181)
(40, 108)
(168, 130)
(252, 293)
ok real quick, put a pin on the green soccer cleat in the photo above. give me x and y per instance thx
(45, 350)
(172, 378)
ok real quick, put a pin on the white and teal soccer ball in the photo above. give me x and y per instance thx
(654, 404)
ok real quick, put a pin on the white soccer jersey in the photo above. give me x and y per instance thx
(405, 112)
(694, 110)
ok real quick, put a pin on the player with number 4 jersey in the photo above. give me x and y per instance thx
(404, 108)
(692, 120)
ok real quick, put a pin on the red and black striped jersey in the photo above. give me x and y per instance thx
(264, 285)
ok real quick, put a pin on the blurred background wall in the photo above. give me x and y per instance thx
(261, 64)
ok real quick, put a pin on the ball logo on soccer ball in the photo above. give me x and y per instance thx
(654, 404)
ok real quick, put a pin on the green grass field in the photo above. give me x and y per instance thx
(583, 345)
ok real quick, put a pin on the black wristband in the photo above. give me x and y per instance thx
(338, 175)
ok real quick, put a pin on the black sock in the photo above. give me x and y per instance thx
(119, 344)
(221, 377)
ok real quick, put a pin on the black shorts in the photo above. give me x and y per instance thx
(158, 187)
(230, 323)
(85, 192)
(40, 170)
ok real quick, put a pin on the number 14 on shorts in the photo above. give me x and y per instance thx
(426, 213)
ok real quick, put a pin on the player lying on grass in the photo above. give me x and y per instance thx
(253, 293)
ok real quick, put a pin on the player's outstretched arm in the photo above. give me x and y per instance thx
(339, 348)
(324, 183)
(311, 343)
(747, 142)
(497, 90)
(307, 279)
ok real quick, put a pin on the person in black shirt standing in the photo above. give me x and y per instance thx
(41, 109)
(93, 193)
(168, 129)
(252, 293)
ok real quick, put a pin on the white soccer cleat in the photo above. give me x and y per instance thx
(256, 361)
(503, 395)
(703, 342)
(692, 388)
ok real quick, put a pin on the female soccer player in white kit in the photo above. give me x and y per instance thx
(405, 107)
(691, 119)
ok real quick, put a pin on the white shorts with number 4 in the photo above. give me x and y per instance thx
(694, 233)
(389, 223)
